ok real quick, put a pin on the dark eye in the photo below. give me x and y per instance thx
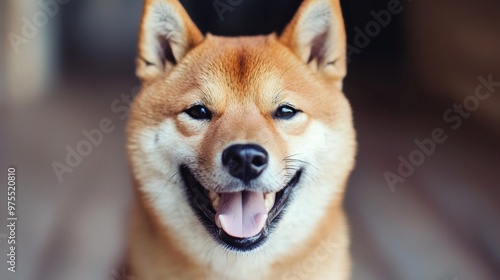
(199, 112)
(285, 112)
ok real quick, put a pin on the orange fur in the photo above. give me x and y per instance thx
(242, 80)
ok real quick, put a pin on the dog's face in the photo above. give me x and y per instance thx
(241, 143)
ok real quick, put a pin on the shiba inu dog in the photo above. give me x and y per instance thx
(240, 149)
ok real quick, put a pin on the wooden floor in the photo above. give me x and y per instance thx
(442, 223)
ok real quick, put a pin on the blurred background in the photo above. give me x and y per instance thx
(67, 65)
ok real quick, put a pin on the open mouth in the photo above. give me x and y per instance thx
(240, 220)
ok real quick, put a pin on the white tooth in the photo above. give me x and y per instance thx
(217, 220)
(269, 200)
(215, 199)
(212, 195)
(216, 202)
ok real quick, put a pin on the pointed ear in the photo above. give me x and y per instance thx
(166, 35)
(316, 35)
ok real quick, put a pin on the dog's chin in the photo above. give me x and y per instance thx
(205, 204)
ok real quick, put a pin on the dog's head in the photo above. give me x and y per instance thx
(236, 143)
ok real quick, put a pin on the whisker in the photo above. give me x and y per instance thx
(165, 185)
(302, 161)
(290, 156)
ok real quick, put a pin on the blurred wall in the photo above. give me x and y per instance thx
(451, 44)
(100, 37)
(31, 48)
(443, 45)
(3, 30)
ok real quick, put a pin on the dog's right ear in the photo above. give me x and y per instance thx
(167, 33)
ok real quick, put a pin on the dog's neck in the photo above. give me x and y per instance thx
(153, 251)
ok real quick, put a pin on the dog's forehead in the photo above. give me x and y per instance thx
(242, 59)
(243, 67)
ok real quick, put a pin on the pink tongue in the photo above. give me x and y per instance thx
(241, 214)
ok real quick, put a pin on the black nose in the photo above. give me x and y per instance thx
(245, 162)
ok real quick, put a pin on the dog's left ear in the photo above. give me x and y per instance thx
(167, 33)
(316, 35)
